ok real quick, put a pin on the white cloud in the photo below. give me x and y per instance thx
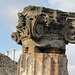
(71, 70)
(65, 5)
(70, 52)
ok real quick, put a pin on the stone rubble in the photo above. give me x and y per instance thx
(7, 66)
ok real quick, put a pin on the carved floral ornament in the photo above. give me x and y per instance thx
(38, 26)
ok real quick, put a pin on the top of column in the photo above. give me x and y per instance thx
(13, 49)
(40, 26)
(7, 51)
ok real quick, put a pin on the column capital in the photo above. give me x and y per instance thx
(13, 49)
(7, 53)
(40, 26)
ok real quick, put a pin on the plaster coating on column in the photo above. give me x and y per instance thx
(7, 53)
(13, 54)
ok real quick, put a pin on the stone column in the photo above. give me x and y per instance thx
(43, 34)
(35, 63)
(7, 53)
(13, 54)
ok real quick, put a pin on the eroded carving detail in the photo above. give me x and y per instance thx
(43, 26)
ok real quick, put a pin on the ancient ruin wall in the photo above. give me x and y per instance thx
(7, 66)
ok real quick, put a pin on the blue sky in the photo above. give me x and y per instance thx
(9, 21)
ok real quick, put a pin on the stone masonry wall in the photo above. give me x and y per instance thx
(7, 66)
(42, 64)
